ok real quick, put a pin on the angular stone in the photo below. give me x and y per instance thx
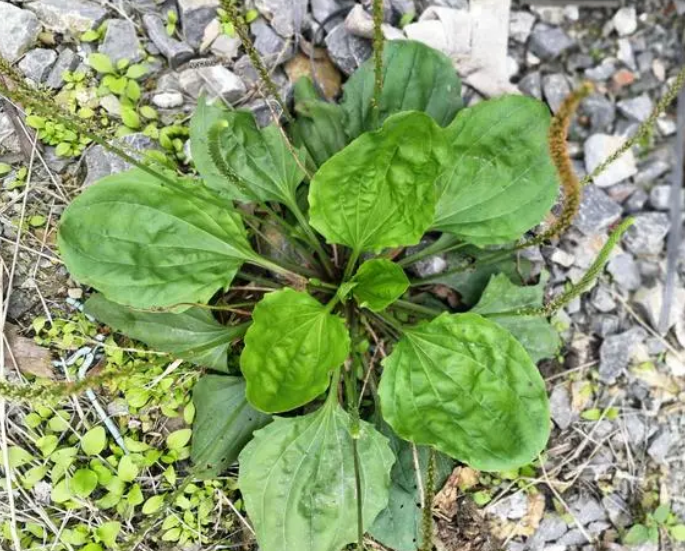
(520, 25)
(637, 109)
(359, 22)
(324, 10)
(560, 407)
(121, 41)
(603, 71)
(616, 352)
(625, 272)
(513, 507)
(651, 171)
(660, 446)
(601, 111)
(600, 146)
(603, 301)
(625, 21)
(68, 16)
(548, 43)
(597, 211)
(272, 47)
(286, 17)
(101, 163)
(216, 81)
(647, 234)
(531, 85)
(347, 51)
(555, 88)
(660, 197)
(176, 52)
(195, 15)
(37, 63)
(66, 61)
(650, 302)
(18, 31)
(586, 509)
(618, 510)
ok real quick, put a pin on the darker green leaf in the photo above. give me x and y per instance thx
(378, 283)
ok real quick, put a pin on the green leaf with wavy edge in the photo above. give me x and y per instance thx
(146, 243)
(466, 386)
(379, 191)
(379, 283)
(535, 333)
(193, 335)
(415, 78)
(291, 348)
(297, 480)
(319, 126)
(223, 425)
(500, 181)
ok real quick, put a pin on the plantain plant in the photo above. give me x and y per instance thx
(291, 252)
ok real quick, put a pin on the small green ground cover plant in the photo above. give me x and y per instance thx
(281, 270)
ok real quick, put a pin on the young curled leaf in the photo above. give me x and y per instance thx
(290, 350)
(379, 283)
(464, 385)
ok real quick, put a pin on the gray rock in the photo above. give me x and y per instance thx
(121, 41)
(597, 211)
(600, 146)
(625, 54)
(520, 25)
(650, 301)
(175, 51)
(603, 71)
(286, 17)
(560, 407)
(636, 202)
(66, 61)
(226, 47)
(651, 171)
(9, 142)
(586, 509)
(549, 42)
(666, 125)
(605, 324)
(603, 301)
(513, 507)
(429, 266)
(563, 258)
(552, 527)
(601, 111)
(454, 4)
(660, 446)
(531, 85)
(273, 48)
(638, 108)
(625, 21)
(37, 63)
(359, 22)
(101, 163)
(647, 234)
(215, 81)
(615, 353)
(324, 9)
(68, 16)
(570, 538)
(579, 60)
(18, 31)
(624, 271)
(660, 197)
(347, 51)
(555, 87)
(195, 15)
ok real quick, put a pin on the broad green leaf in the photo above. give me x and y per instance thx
(463, 384)
(398, 526)
(677, 532)
(535, 333)
(146, 243)
(108, 532)
(61, 491)
(101, 63)
(84, 482)
(178, 439)
(153, 504)
(297, 480)
(319, 126)
(415, 78)
(379, 191)
(94, 441)
(379, 283)
(291, 347)
(637, 535)
(127, 469)
(224, 423)
(192, 335)
(18, 457)
(499, 181)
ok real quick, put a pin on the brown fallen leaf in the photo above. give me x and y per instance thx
(26, 355)
(327, 75)
(461, 479)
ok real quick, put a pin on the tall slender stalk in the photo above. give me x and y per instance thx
(378, 43)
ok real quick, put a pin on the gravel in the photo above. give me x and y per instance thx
(549, 43)
(597, 148)
(637, 109)
(18, 31)
(597, 211)
(68, 16)
(176, 52)
(36, 64)
(121, 41)
(647, 234)
(195, 15)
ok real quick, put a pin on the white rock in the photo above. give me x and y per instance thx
(563, 258)
(520, 25)
(666, 125)
(597, 148)
(359, 22)
(216, 81)
(168, 100)
(18, 31)
(650, 301)
(638, 108)
(659, 70)
(625, 54)
(549, 15)
(72, 16)
(625, 21)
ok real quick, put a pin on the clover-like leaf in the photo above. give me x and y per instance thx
(466, 386)
(415, 78)
(224, 423)
(290, 349)
(145, 242)
(297, 480)
(192, 335)
(378, 283)
(535, 333)
(499, 181)
(379, 191)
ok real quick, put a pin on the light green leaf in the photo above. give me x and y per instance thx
(94, 441)
(136, 71)
(661, 513)
(130, 117)
(224, 423)
(148, 112)
(319, 126)
(379, 283)
(499, 181)
(34, 475)
(84, 482)
(192, 335)
(101, 63)
(121, 236)
(415, 78)
(297, 480)
(47, 444)
(127, 469)
(61, 491)
(535, 333)
(178, 439)
(637, 535)
(291, 347)
(133, 92)
(464, 385)
(379, 191)
(153, 504)
(107, 532)
(18, 457)
(677, 532)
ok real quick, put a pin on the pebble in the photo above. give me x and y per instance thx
(560, 407)
(36, 64)
(549, 43)
(650, 302)
(359, 22)
(625, 54)
(215, 81)
(602, 300)
(101, 163)
(602, 112)
(520, 25)
(168, 100)
(324, 9)
(556, 88)
(660, 446)
(219, 42)
(563, 258)
(176, 52)
(347, 51)
(195, 15)
(597, 211)
(637, 109)
(68, 16)
(651, 171)
(513, 507)
(625, 21)
(615, 353)
(605, 70)
(121, 41)
(531, 84)
(625, 272)
(660, 197)
(286, 18)
(66, 61)
(272, 47)
(600, 146)
(552, 527)
(666, 125)
(646, 235)
(18, 31)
